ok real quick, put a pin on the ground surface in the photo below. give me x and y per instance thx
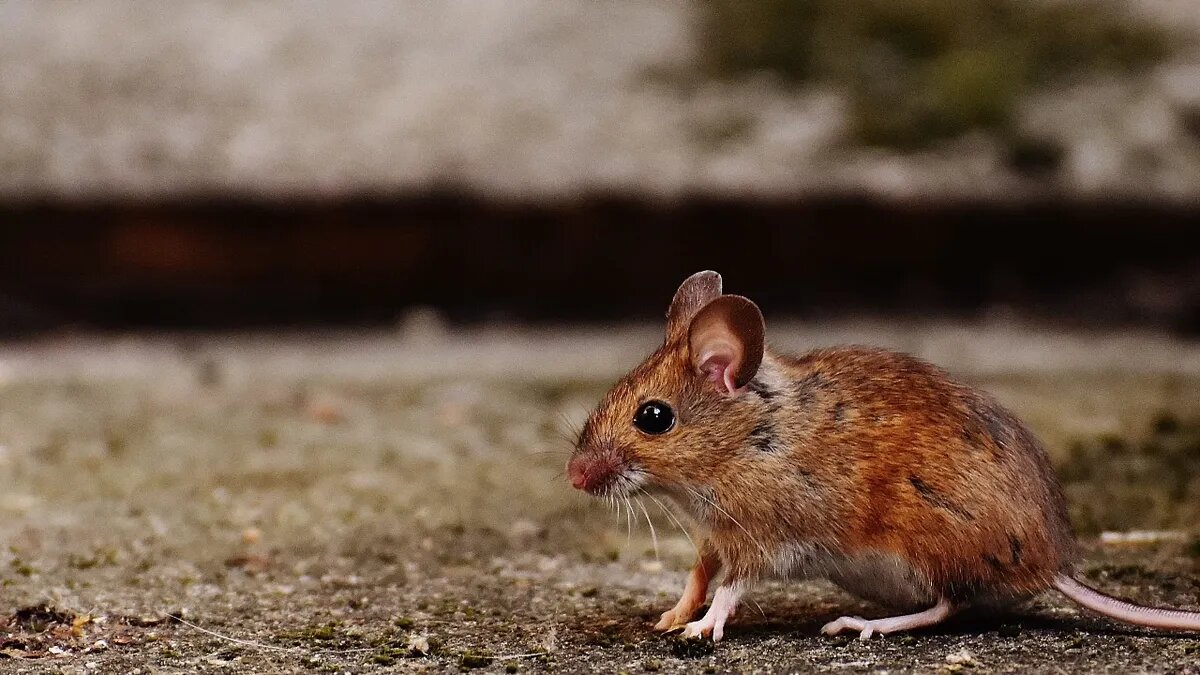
(352, 503)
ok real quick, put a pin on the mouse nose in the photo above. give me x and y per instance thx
(590, 472)
(577, 472)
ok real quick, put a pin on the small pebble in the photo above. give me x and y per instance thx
(961, 657)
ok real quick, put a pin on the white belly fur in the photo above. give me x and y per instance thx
(883, 578)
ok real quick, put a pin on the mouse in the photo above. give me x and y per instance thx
(870, 468)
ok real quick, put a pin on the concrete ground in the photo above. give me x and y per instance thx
(394, 501)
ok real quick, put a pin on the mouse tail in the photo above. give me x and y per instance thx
(1153, 617)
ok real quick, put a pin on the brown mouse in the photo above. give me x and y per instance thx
(870, 468)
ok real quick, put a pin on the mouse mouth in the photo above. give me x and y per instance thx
(603, 472)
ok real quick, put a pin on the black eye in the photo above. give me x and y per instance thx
(654, 417)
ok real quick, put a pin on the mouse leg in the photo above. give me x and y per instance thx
(696, 590)
(893, 624)
(724, 605)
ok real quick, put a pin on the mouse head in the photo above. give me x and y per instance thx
(678, 417)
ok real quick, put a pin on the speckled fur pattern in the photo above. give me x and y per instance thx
(871, 468)
(844, 457)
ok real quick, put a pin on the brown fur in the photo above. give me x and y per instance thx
(873, 452)
(872, 468)
(841, 454)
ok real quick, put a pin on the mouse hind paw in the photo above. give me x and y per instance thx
(865, 627)
(868, 627)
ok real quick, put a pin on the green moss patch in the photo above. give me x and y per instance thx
(919, 71)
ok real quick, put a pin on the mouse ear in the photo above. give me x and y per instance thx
(694, 293)
(725, 342)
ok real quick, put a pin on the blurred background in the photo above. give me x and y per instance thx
(273, 163)
(302, 303)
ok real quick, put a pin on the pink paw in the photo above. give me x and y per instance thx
(705, 627)
(671, 620)
(865, 627)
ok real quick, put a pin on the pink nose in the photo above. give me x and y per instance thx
(589, 472)
(577, 472)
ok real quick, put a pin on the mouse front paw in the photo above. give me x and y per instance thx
(703, 628)
(850, 623)
(671, 619)
(712, 624)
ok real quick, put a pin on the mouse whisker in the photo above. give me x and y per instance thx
(621, 515)
(629, 524)
(717, 506)
(673, 519)
(758, 607)
(568, 428)
(653, 534)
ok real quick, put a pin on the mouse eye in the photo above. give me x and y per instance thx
(654, 417)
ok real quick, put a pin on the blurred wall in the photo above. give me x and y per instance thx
(262, 162)
(254, 263)
(534, 99)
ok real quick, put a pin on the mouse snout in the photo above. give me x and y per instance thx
(577, 471)
(593, 472)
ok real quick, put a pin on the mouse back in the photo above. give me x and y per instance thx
(931, 471)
